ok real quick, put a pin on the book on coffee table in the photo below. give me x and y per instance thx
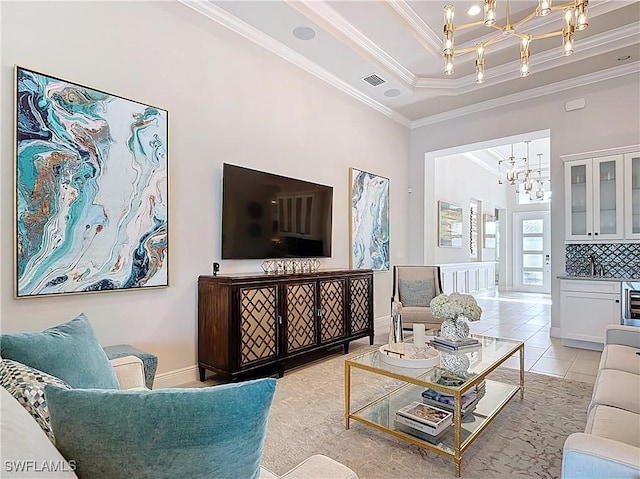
(446, 401)
(433, 439)
(450, 344)
(435, 419)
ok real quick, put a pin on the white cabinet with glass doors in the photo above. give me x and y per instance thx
(632, 195)
(594, 199)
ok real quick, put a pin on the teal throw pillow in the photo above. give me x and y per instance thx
(69, 352)
(216, 432)
(415, 292)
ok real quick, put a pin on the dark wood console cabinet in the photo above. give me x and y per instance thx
(251, 321)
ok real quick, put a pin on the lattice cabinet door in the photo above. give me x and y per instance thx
(332, 312)
(360, 304)
(300, 315)
(258, 324)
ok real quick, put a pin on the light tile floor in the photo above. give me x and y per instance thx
(527, 317)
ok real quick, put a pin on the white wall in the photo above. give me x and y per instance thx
(611, 118)
(2, 123)
(458, 180)
(229, 101)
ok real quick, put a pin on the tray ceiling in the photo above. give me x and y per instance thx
(399, 41)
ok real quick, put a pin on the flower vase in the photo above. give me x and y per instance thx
(458, 363)
(454, 329)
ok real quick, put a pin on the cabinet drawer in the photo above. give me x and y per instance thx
(588, 286)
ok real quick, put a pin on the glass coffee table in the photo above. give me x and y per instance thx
(480, 361)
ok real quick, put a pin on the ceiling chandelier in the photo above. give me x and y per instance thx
(517, 172)
(574, 18)
(539, 193)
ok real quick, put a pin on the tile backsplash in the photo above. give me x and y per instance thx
(620, 260)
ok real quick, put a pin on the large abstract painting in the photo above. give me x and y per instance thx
(91, 186)
(369, 218)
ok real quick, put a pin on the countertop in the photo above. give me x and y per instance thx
(598, 278)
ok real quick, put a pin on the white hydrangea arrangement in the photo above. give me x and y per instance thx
(454, 305)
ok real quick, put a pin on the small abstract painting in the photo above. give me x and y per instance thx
(449, 225)
(91, 189)
(369, 218)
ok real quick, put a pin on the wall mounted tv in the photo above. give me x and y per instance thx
(271, 216)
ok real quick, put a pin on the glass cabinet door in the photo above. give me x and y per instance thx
(632, 195)
(608, 209)
(594, 199)
(578, 190)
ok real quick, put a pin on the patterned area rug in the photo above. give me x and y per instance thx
(524, 440)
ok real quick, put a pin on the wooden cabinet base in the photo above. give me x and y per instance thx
(264, 324)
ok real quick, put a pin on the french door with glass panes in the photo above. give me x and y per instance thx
(532, 252)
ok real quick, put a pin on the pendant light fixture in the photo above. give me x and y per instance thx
(575, 18)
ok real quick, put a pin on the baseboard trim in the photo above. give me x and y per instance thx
(175, 378)
(554, 332)
(178, 377)
(574, 343)
(380, 322)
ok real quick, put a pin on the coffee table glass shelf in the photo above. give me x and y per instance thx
(380, 412)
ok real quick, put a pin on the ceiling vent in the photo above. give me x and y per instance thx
(374, 80)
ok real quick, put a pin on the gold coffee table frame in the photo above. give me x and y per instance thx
(380, 412)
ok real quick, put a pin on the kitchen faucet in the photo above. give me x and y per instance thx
(592, 265)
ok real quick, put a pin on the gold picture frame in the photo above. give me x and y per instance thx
(91, 189)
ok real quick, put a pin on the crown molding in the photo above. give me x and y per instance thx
(620, 150)
(474, 159)
(247, 31)
(596, 77)
(320, 12)
(426, 36)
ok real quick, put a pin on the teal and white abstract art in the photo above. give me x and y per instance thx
(369, 218)
(90, 190)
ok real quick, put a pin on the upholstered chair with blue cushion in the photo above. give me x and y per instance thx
(414, 287)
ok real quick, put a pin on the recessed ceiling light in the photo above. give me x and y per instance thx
(474, 10)
(304, 33)
(623, 58)
(392, 92)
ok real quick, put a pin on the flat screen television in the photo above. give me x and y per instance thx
(271, 216)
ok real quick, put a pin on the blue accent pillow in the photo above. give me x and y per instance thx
(215, 432)
(69, 352)
(416, 292)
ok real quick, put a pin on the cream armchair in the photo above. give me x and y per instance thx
(415, 287)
